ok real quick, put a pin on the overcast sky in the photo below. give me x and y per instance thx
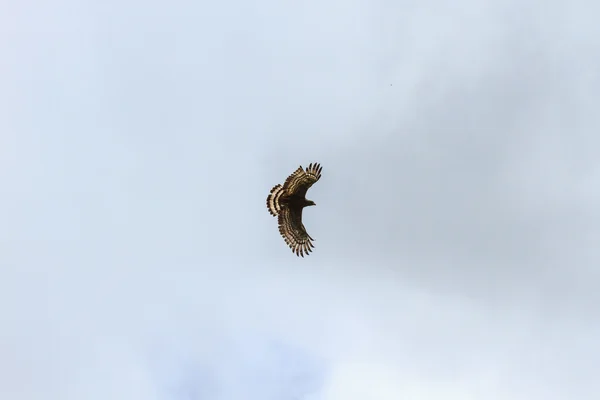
(457, 220)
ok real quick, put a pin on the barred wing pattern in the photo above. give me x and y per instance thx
(293, 232)
(289, 214)
(300, 180)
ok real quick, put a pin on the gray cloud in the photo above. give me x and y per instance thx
(456, 220)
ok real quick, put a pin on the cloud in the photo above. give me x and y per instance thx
(456, 221)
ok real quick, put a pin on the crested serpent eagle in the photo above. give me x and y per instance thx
(286, 203)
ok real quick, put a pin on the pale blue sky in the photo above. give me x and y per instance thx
(457, 219)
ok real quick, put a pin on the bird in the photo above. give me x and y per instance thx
(286, 203)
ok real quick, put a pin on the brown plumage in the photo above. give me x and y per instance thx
(286, 203)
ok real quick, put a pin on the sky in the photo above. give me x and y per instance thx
(457, 216)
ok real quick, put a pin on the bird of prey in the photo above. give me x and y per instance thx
(286, 203)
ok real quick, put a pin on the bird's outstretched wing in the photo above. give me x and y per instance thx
(301, 180)
(293, 232)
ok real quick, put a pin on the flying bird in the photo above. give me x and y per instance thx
(286, 203)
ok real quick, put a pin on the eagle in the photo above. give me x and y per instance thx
(286, 203)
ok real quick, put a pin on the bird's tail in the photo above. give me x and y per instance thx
(273, 200)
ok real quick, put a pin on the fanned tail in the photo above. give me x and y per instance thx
(273, 200)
